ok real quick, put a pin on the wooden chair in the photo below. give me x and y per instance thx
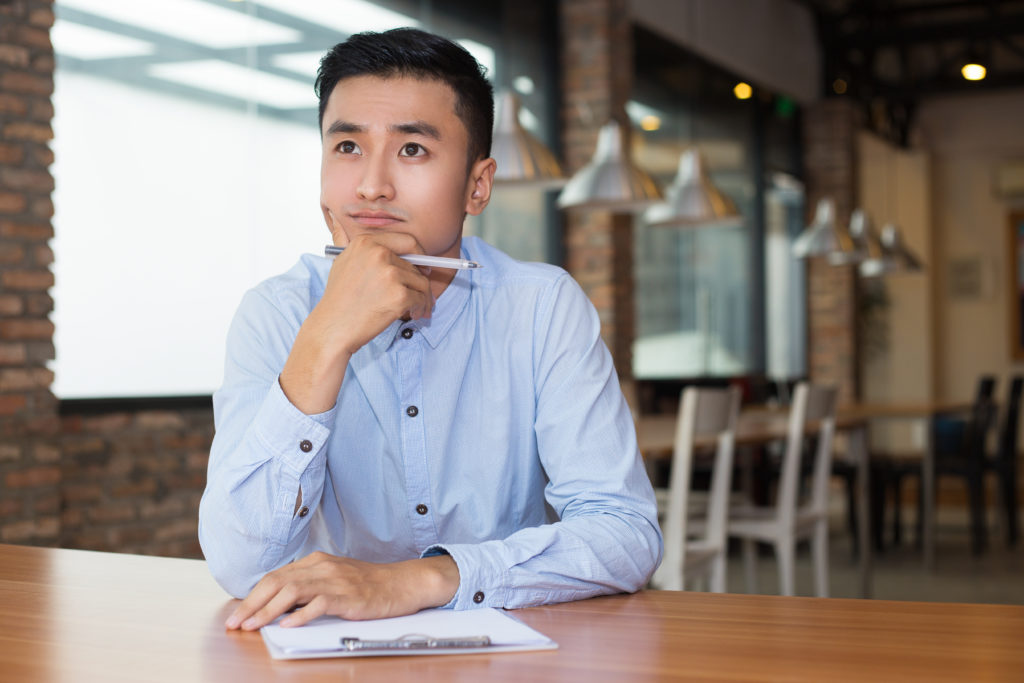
(1004, 461)
(790, 520)
(692, 550)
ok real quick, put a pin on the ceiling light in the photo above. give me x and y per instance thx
(610, 181)
(820, 238)
(857, 243)
(895, 256)
(225, 78)
(521, 157)
(973, 71)
(190, 20)
(304, 63)
(85, 42)
(523, 85)
(743, 91)
(346, 16)
(650, 123)
(692, 199)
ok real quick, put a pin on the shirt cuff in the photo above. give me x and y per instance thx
(285, 430)
(477, 586)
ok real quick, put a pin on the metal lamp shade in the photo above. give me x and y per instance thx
(856, 244)
(609, 181)
(521, 158)
(821, 237)
(894, 258)
(692, 199)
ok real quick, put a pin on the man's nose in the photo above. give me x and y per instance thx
(376, 182)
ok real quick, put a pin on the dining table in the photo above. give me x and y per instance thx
(83, 616)
(761, 424)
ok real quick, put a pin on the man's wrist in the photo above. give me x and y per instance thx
(441, 581)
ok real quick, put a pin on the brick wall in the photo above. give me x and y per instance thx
(597, 72)
(29, 455)
(121, 481)
(131, 481)
(830, 164)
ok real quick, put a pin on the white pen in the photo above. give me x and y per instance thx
(419, 259)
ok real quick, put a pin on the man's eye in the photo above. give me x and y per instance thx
(412, 149)
(348, 147)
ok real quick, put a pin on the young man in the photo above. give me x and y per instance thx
(391, 438)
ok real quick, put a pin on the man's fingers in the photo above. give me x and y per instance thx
(261, 594)
(317, 607)
(283, 601)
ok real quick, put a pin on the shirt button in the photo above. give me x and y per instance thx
(421, 508)
(478, 597)
(412, 411)
(305, 445)
(407, 333)
(304, 511)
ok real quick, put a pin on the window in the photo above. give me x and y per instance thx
(187, 170)
(701, 291)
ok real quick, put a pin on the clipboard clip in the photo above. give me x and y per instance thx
(415, 641)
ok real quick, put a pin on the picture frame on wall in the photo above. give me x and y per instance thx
(1016, 280)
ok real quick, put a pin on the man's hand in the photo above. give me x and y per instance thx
(325, 584)
(369, 287)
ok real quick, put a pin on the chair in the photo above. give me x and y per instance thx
(788, 521)
(958, 449)
(1004, 461)
(701, 553)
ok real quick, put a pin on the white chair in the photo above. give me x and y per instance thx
(706, 414)
(790, 520)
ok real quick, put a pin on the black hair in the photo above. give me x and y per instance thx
(416, 53)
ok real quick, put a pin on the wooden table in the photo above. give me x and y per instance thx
(70, 615)
(916, 410)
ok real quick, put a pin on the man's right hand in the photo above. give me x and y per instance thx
(369, 287)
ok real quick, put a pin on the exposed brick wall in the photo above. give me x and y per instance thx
(830, 163)
(29, 455)
(597, 72)
(131, 481)
(126, 482)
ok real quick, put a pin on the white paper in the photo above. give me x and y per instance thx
(322, 637)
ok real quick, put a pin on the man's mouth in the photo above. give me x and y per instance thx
(374, 219)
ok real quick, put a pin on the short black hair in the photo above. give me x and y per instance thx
(416, 53)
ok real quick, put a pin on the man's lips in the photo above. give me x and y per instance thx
(374, 218)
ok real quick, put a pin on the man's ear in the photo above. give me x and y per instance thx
(478, 186)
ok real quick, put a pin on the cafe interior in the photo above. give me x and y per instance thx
(801, 223)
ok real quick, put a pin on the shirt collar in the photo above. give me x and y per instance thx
(446, 311)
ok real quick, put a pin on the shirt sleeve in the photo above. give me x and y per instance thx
(607, 538)
(264, 450)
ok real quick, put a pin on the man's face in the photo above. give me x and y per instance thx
(394, 159)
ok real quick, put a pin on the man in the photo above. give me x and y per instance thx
(391, 438)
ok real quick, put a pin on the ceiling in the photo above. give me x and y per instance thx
(893, 54)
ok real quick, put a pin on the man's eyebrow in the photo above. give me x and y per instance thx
(416, 128)
(412, 128)
(344, 127)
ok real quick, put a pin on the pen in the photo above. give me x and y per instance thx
(415, 642)
(419, 259)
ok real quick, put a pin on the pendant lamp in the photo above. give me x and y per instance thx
(820, 238)
(857, 243)
(692, 199)
(610, 180)
(895, 257)
(522, 159)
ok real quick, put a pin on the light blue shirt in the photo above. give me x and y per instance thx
(495, 431)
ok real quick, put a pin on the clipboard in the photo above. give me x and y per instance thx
(430, 632)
